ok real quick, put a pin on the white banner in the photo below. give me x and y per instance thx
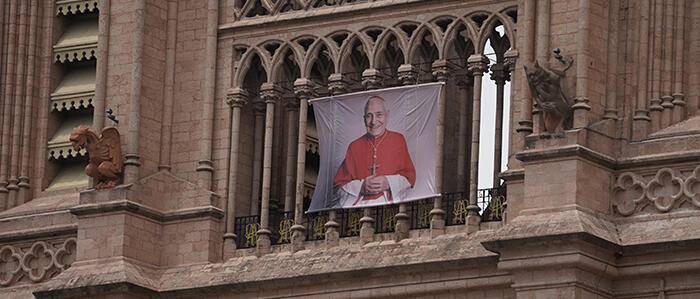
(377, 147)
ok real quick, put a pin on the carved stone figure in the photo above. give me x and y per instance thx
(105, 154)
(547, 89)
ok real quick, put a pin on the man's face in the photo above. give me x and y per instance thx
(376, 117)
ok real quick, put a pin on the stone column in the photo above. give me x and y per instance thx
(271, 95)
(581, 106)
(336, 86)
(259, 131)
(30, 92)
(371, 79)
(610, 111)
(235, 98)
(464, 85)
(132, 159)
(525, 123)
(641, 117)
(678, 64)
(205, 167)
(407, 76)
(437, 214)
(542, 50)
(292, 105)
(5, 132)
(18, 96)
(500, 75)
(477, 64)
(303, 88)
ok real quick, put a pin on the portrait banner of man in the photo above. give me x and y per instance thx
(376, 147)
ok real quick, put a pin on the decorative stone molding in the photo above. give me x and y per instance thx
(668, 189)
(75, 53)
(37, 263)
(691, 188)
(72, 102)
(261, 8)
(65, 7)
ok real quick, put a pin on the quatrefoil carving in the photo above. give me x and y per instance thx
(9, 265)
(628, 193)
(692, 187)
(38, 261)
(665, 189)
(65, 256)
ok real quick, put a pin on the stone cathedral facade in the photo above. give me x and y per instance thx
(219, 151)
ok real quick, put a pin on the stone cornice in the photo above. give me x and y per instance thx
(136, 208)
(38, 233)
(316, 12)
(605, 160)
(567, 151)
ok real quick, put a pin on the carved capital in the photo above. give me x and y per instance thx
(372, 79)
(407, 74)
(336, 84)
(236, 97)
(441, 70)
(510, 59)
(270, 93)
(477, 64)
(499, 74)
(304, 89)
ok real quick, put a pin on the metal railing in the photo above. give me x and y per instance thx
(491, 201)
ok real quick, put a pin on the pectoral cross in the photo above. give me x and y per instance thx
(374, 164)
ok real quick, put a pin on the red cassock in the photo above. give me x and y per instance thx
(392, 158)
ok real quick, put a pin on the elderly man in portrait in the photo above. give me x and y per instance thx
(377, 168)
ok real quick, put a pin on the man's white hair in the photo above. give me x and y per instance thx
(375, 99)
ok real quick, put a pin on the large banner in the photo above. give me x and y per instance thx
(377, 147)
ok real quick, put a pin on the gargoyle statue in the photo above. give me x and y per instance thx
(546, 86)
(105, 154)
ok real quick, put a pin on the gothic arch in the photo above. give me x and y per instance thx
(313, 55)
(246, 63)
(278, 62)
(485, 33)
(416, 42)
(453, 33)
(346, 51)
(382, 43)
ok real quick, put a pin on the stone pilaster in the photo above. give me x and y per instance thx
(336, 86)
(441, 73)
(303, 89)
(477, 64)
(271, 94)
(235, 98)
(407, 76)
